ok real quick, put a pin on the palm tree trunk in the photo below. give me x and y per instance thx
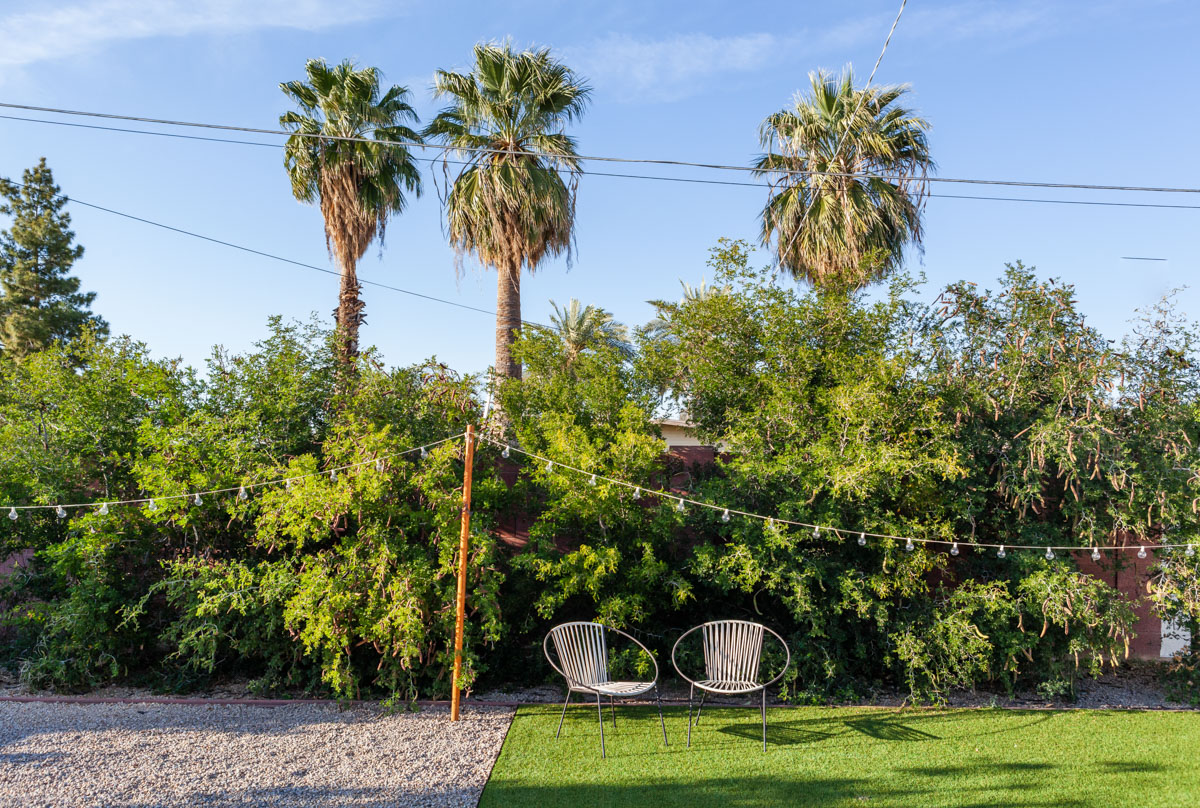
(348, 316)
(508, 318)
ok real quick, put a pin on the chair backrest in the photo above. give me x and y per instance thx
(582, 652)
(732, 650)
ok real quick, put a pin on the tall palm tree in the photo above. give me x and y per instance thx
(844, 230)
(581, 327)
(358, 185)
(510, 206)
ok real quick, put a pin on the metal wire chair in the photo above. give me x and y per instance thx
(582, 650)
(732, 654)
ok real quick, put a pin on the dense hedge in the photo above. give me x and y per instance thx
(990, 416)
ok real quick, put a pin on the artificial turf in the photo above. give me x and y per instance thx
(851, 757)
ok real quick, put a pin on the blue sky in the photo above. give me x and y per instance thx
(1093, 92)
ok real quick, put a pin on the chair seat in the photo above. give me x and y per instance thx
(729, 686)
(616, 688)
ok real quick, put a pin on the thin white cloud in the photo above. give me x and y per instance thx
(48, 31)
(674, 67)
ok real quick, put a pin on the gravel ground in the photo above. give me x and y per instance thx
(146, 755)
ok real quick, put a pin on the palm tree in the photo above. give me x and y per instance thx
(510, 205)
(660, 326)
(580, 327)
(844, 230)
(359, 185)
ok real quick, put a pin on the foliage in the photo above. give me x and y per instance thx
(358, 185)
(510, 205)
(848, 169)
(40, 302)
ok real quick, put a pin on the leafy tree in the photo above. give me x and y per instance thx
(359, 186)
(848, 170)
(581, 327)
(40, 302)
(510, 205)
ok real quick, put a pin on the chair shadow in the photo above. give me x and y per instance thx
(888, 729)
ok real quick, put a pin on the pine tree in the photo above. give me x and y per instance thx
(40, 303)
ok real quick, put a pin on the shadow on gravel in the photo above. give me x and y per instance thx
(311, 797)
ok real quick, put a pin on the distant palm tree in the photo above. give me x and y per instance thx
(581, 327)
(359, 186)
(844, 229)
(510, 206)
(659, 327)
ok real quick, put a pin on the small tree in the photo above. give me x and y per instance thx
(40, 303)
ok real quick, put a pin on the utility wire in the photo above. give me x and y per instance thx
(279, 258)
(593, 158)
(659, 178)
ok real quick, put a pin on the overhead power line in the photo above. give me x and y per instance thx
(619, 175)
(595, 158)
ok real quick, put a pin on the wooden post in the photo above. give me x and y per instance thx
(468, 462)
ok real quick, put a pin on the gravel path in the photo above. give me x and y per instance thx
(142, 755)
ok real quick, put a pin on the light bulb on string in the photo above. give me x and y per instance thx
(152, 505)
(242, 495)
(333, 475)
(1049, 554)
(549, 466)
(770, 524)
(954, 549)
(287, 484)
(60, 513)
(816, 531)
(1190, 552)
(104, 509)
(679, 506)
(1141, 552)
(1000, 553)
(424, 453)
(909, 546)
(379, 464)
(592, 480)
(198, 500)
(505, 453)
(725, 515)
(862, 539)
(12, 514)
(637, 493)
(1095, 554)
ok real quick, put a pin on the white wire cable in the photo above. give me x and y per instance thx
(238, 488)
(841, 533)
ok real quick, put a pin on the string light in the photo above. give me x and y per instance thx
(333, 476)
(104, 509)
(1000, 553)
(679, 506)
(862, 539)
(60, 513)
(505, 453)
(909, 546)
(1049, 554)
(198, 500)
(770, 524)
(242, 495)
(816, 532)
(637, 493)
(592, 481)
(1189, 552)
(424, 453)
(1141, 552)
(379, 464)
(1095, 554)
(152, 506)
(287, 484)
(12, 514)
(549, 466)
(954, 549)
(725, 515)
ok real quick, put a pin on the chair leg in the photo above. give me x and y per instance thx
(564, 714)
(691, 693)
(764, 717)
(600, 713)
(663, 724)
(700, 709)
(612, 705)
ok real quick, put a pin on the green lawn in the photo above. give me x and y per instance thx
(851, 756)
